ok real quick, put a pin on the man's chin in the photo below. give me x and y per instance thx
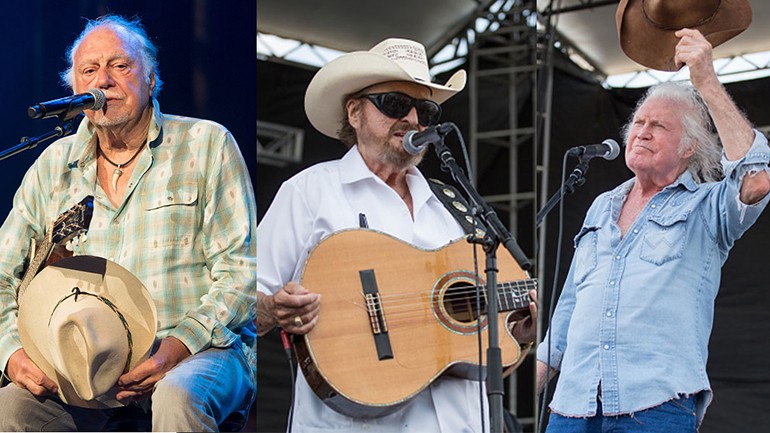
(108, 121)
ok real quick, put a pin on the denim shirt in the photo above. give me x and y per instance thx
(643, 303)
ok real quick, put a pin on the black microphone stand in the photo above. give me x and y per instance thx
(496, 234)
(575, 179)
(64, 128)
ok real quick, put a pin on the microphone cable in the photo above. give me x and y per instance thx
(287, 347)
(479, 340)
(552, 301)
(477, 282)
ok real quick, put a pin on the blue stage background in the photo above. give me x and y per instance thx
(207, 58)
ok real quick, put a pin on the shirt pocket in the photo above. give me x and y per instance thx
(585, 253)
(171, 215)
(664, 238)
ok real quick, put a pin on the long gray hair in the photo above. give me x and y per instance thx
(698, 129)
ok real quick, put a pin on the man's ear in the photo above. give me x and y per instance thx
(151, 82)
(353, 109)
(690, 151)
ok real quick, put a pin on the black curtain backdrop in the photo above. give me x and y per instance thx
(206, 55)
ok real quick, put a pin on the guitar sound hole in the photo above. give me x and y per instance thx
(460, 302)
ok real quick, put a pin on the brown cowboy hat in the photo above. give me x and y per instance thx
(646, 27)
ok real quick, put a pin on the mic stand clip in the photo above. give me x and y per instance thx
(575, 179)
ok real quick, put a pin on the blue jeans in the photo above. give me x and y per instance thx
(195, 395)
(673, 416)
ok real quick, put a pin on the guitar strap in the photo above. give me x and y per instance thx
(456, 204)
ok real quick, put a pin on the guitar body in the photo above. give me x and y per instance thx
(426, 303)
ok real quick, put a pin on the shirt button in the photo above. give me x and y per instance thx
(606, 347)
(612, 283)
(653, 206)
(609, 313)
(617, 257)
(636, 230)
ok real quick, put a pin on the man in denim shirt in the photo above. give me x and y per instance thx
(648, 258)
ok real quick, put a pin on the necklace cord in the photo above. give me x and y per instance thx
(119, 165)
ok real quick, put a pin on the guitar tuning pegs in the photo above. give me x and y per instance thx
(83, 237)
(68, 246)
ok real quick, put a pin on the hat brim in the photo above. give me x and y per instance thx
(94, 275)
(355, 71)
(654, 47)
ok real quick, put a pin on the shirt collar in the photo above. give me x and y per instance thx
(86, 134)
(353, 168)
(685, 179)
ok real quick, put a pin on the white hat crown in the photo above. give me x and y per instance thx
(90, 344)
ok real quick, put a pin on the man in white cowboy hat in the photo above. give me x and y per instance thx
(173, 204)
(368, 100)
(629, 336)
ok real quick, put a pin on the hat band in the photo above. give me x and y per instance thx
(677, 27)
(76, 292)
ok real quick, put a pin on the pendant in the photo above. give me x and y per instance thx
(115, 175)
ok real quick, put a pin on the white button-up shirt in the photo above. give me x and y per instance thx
(327, 198)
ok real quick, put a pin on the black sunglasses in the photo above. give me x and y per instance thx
(397, 105)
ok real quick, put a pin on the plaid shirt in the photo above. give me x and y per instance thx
(185, 228)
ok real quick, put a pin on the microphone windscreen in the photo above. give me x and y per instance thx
(614, 149)
(99, 99)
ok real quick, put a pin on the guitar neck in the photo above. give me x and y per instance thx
(43, 250)
(73, 222)
(514, 295)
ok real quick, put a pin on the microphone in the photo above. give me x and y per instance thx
(68, 107)
(608, 149)
(414, 141)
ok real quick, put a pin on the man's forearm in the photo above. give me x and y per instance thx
(542, 372)
(265, 320)
(734, 129)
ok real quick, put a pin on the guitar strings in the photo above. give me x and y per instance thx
(521, 284)
(406, 298)
(400, 306)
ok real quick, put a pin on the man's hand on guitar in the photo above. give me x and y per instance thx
(525, 329)
(294, 308)
(26, 375)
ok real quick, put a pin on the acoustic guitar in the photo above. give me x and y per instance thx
(395, 317)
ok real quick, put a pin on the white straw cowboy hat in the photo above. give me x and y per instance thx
(646, 27)
(85, 321)
(390, 60)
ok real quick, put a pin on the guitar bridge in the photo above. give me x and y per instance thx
(376, 314)
(374, 308)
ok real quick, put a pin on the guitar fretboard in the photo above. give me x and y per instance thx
(514, 295)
